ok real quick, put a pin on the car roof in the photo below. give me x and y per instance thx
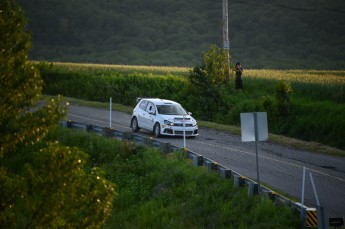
(158, 101)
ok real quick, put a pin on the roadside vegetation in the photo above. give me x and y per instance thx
(43, 184)
(156, 191)
(302, 104)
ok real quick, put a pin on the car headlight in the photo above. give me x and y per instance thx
(168, 123)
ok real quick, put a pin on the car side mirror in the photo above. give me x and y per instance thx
(189, 113)
(152, 113)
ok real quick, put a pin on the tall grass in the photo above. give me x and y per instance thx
(168, 192)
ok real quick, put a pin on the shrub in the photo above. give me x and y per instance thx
(282, 93)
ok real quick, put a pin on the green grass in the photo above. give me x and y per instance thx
(158, 191)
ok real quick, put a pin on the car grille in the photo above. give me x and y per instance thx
(181, 124)
(181, 132)
(181, 119)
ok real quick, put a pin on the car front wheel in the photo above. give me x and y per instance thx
(157, 130)
(135, 127)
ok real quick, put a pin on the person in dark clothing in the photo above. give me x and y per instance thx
(238, 80)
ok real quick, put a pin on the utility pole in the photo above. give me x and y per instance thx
(226, 42)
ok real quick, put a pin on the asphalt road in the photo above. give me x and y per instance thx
(279, 167)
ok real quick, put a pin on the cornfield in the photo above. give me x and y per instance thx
(328, 77)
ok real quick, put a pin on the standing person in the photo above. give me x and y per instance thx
(238, 80)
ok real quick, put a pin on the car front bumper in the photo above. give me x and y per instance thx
(178, 131)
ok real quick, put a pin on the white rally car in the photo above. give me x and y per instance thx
(163, 117)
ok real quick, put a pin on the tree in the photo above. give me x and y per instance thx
(213, 70)
(208, 78)
(41, 184)
(53, 190)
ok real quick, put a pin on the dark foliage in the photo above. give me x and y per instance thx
(264, 34)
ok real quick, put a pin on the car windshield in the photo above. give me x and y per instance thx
(171, 109)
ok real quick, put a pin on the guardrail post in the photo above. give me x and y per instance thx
(64, 123)
(270, 195)
(239, 181)
(107, 132)
(211, 166)
(280, 200)
(127, 136)
(148, 141)
(225, 173)
(69, 124)
(165, 147)
(320, 217)
(253, 189)
(89, 128)
(197, 160)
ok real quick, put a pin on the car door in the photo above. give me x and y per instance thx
(148, 119)
(142, 114)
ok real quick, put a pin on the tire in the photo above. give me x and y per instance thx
(134, 125)
(157, 130)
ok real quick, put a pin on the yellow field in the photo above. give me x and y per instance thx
(329, 77)
(125, 68)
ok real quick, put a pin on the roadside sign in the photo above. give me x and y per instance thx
(248, 124)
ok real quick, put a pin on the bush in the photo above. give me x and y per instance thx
(282, 93)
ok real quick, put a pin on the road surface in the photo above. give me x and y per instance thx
(280, 167)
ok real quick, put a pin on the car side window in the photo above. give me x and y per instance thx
(143, 104)
(151, 108)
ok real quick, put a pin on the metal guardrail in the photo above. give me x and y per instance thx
(198, 160)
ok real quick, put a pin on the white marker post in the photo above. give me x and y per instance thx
(184, 133)
(302, 196)
(321, 222)
(110, 108)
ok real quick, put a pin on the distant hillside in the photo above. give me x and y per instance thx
(263, 34)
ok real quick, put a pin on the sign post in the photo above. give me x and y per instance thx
(110, 109)
(256, 148)
(302, 196)
(184, 133)
(254, 128)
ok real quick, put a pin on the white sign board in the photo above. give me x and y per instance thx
(248, 123)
